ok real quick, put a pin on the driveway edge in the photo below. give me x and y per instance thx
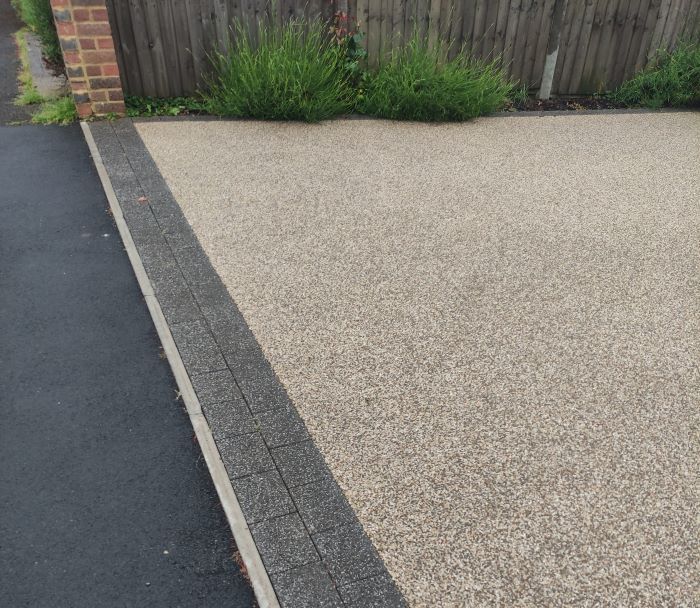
(259, 578)
(296, 519)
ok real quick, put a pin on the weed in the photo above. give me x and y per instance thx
(156, 106)
(59, 111)
(419, 83)
(37, 14)
(28, 92)
(671, 79)
(292, 71)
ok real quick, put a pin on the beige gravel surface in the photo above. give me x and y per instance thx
(491, 330)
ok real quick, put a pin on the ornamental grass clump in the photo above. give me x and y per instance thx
(420, 83)
(671, 79)
(293, 71)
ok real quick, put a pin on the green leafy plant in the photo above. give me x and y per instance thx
(60, 111)
(418, 82)
(671, 79)
(158, 106)
(37, 14)
(293, 71)
(348, 36)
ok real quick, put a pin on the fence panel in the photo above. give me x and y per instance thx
(163, 45)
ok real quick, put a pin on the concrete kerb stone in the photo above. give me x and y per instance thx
(308, 536)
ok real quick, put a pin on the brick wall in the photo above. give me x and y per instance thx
(88, 51)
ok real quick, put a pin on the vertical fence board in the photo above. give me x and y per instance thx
(511, 33)
(622, 39)
(573, 21)
(126, 47)
(468, 14)
(652, 18)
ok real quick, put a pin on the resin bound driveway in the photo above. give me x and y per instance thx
(490, 331)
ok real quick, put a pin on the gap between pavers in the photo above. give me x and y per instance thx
(297, 527)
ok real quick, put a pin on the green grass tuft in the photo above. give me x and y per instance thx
(672, 79)
(37, 14)
(291, 72)
(59, 111)
(420, 83)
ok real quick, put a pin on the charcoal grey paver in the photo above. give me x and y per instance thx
(244, 455)
(263, 496)
(282, 427)
(177, 303)
(258, 382)
(348, 554)
(216, 386)
(322, 505)
(229, 418)
(284, 543)
(179, 235)
(195, 265)
(308, 586)
(300, 463)
(197, 347)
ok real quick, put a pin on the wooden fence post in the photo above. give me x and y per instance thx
(550, 62)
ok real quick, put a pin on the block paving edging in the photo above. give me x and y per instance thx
(310, 540)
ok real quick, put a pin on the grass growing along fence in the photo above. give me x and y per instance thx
(296, 71)
(38, 16)
(672, 79)
(293, 72)
(420, 83)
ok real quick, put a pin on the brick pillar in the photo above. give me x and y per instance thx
(88, 51)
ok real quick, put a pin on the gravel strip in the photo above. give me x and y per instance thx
(489, 329)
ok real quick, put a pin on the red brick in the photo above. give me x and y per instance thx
(65, 28)
(92, 57)
(87, 44)
(105, 43)
(116, 95)
(81, 14)
(98, 95)
(84, 109)
(110, 69)
(105, 83)
(72, 58)
(93, 70)
(59, 3)
(99, 14)
(94, 29)
(116, 107)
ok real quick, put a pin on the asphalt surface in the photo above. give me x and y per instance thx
(105, 499)
(490, 330)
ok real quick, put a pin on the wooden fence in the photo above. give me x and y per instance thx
(163, 45)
